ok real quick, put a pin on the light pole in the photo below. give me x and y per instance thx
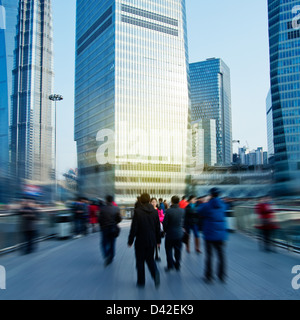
(56, 98)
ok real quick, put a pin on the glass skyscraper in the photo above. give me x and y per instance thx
(284, 40)
(8, 25)
(32, 116)
(211, 99)
(131, 97)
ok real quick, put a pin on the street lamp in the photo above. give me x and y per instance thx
(56, 98)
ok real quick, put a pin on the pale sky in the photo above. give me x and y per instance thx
(233, 30)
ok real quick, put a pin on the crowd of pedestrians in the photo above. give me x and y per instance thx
(178, 223)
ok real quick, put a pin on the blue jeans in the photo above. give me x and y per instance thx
(195, 230)
(108, 242)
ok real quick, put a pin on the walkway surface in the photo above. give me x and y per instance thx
(74, 269)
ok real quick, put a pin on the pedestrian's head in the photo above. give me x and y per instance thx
(145, 198)
(192, 199)
(153, 201)
(183, 198)
(109, 199)
(160, 200)
(214, 192)
(175, 200)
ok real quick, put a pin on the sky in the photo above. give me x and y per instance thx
(233, 30)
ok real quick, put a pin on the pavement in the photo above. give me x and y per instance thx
(74, 270)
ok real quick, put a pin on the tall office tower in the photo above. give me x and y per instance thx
(131, 97)
(32, 118)
(284, 41)
(8, 24)
(211, 99)
(270, 125)
(204, 142)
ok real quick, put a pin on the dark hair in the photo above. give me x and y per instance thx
(109, 199)
(191, 197)
(184, 197)
(145, 198)
(214, 192)
(175, 199)
(160, 200)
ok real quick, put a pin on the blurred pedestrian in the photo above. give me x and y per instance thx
(161, 205)
(191, 223)
(109, 218)
(215, 233)
(166, 205)
(79, 217)
(183, 203)
(161, 216)
(29, 218)
(93, 214)
(145, 232)
(267, 222)
(173, 226)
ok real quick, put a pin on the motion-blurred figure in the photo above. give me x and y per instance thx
(191, 223)
(145, 231)
(94, 213)
(215, 233)
(79, 217)
(109, 218)
(183, 203)
(161, 217)
(267, 222)
(173, 226)
(29, 218)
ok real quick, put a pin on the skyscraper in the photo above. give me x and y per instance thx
(8, 25)
(131, 97)
(284, 41)
(211, 99)
(204, 142)
(32, 118)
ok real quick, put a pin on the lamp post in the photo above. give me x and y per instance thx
(56, 98)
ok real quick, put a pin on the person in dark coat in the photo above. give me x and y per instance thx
(109, 218)
(145, 232)
(191, 223)
(214, 232)
(29, 218)
(173, 226)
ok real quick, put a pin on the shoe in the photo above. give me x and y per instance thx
(177, 268)
(167, 269)
(158, 259)
(140, 285)
(207, 280)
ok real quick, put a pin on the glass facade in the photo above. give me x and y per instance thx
(270, 125)
(204, 143)
(211, 99)
(131, 97)
(8, 24)
(284, 41)
(32, 117)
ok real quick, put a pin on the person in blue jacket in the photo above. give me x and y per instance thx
(215, 233)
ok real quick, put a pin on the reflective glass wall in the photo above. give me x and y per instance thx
(284, 40)
(144, 73)
(32, 117)
(211, 99)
